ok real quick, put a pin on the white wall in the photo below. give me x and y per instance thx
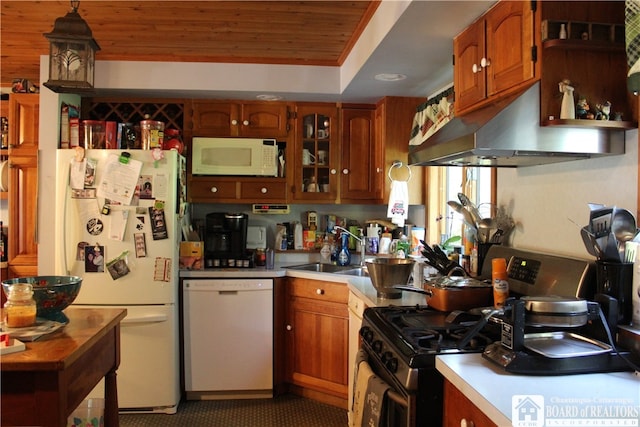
(546, 201)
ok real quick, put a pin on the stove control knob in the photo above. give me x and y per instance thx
(392, 365)
(366, 333)
(386, 357)
(377, 346)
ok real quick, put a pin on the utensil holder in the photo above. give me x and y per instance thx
(483, 249)
(616, 279)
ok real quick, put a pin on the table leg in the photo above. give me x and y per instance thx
(111, 400)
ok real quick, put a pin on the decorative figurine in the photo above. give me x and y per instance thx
(568, 110)
(604, 111)
(583, 111)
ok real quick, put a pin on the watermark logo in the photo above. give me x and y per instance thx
(527, 410)
(536, 411)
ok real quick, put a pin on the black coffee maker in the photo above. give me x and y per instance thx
(226, 240)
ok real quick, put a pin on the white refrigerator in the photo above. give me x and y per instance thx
(118, 226)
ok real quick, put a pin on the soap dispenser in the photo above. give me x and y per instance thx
(344, 257)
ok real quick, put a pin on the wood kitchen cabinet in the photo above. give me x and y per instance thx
(317, 335)
(316, 154)
(393, 121)
(494, 54)
(460, 411)
(359, 160)
(592, 57)
(23, 185)
(247, 119)
(209, 189)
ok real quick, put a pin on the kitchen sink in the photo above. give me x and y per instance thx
(323, 268)
(360, 271)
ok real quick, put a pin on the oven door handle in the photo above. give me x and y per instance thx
(397, 398)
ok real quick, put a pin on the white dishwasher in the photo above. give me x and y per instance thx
(228, 338)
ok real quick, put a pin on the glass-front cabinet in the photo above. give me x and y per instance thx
(316, 153)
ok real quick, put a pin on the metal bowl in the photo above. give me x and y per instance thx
(51, 293)
(385, 273)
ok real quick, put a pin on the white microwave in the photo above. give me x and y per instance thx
(234, 156)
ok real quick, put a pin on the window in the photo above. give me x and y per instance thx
(444, 184)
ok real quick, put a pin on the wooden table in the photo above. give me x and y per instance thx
(42, 385)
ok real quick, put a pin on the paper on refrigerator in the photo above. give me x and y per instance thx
(119, 179)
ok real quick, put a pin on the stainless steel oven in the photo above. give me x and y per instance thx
(401, 343)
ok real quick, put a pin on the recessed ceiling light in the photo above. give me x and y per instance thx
(390, 77)
(267, 97)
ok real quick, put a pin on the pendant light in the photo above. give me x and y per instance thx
(72, 54)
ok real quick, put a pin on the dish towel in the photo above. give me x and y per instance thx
(398, 209)
(360, 382)
(374, 413)
(369, 407)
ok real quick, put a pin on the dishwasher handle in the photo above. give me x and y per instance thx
(150, 318)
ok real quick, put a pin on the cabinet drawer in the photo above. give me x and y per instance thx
(208, 188)
(459, 410)
(316, 289)
(263, 190)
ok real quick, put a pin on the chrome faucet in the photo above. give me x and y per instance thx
(360, 239)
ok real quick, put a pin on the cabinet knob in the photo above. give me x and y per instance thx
(345, 171)
(320, 291)
(214, 189)
(465, 423)
(234, 122)
(475, 68)
(333, 171)
(289, 327)
(246, 122)
(484, 62)
(263, 190)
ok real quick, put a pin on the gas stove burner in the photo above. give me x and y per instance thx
(419, 331)
(425, 340)
(477, 343)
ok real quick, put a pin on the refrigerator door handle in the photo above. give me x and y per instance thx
(151, 318)
(63, 241)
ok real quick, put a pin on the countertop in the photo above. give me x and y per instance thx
(577, 399)
(360, 286)
(364, 290)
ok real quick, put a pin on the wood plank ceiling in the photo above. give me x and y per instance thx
(268, 32)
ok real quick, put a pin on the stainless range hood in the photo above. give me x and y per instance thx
(508, 134)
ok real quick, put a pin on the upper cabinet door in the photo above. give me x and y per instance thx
(493, 54)
(224, 119)
(24, 121)
(263, 120)
(213, 118)
(469, 76)
(360, 158)
(509, 41)
(316, 153)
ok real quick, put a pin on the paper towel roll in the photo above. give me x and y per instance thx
(417, 234)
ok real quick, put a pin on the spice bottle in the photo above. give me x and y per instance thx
(20, 308)
(499, 281)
